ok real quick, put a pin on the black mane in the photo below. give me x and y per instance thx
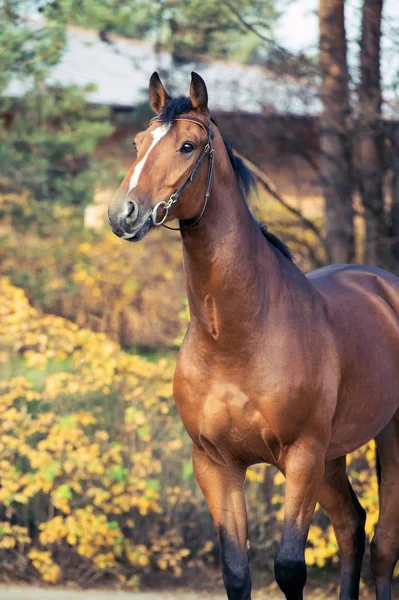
(245, 178)
(276, 242)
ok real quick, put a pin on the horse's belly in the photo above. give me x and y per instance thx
(365, 304)
(364, 410)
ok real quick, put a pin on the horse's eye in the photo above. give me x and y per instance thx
(187, 148)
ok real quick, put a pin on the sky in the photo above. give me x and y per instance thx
(299, 27)
(298, 30)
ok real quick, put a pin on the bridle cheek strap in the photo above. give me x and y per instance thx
(208, 149)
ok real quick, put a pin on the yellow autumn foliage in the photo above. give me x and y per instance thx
(89, 276)
(83, 429)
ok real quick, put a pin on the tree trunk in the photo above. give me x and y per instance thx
(371, 140)
(335, 136)
(395, 195)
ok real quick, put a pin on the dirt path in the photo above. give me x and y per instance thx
(33, 593)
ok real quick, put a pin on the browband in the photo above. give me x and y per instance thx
(196, 120)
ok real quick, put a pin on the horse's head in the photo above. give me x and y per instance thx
(176, 147)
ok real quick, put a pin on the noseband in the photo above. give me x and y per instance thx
(208, 149)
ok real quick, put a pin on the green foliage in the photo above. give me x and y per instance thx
(47, 136)
(212, 28)
(215, 29)
(48, 146)
(25, 51)
(133, 18)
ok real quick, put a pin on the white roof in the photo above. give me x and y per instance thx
(120, 72)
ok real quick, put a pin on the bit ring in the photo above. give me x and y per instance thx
(155, 211)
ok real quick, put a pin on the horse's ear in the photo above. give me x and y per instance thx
(198, 93)
(159, 97)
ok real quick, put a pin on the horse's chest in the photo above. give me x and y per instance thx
(227, 423)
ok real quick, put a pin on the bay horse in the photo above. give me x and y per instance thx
(276, 366)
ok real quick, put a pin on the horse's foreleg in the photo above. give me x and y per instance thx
(347, 516)
(223, 488)
(304, 470)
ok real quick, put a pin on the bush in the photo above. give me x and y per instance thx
(133, 293)
(83, 429)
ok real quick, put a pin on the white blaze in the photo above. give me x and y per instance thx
(157, 134)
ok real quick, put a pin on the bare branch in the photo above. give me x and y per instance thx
(273, 191)
(253, 29)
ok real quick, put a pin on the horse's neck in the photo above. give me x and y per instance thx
(233, 276)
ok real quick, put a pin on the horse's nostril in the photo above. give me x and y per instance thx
(132, 210)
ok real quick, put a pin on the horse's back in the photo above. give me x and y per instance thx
(360, 283)
(345, 274)
(362, 304)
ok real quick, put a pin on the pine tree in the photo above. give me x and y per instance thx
(47, 134)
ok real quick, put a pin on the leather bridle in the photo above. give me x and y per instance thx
(173, 198)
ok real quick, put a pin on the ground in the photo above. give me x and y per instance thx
(14, 592)
(35, 593)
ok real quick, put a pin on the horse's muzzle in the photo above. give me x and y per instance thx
(130, 225)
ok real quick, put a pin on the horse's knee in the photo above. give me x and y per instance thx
(290, 573)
